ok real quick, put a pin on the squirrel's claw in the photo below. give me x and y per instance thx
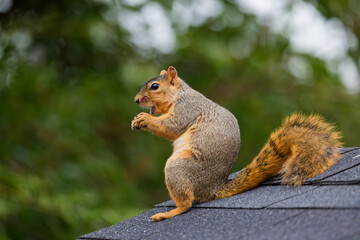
(138, 121)
(134, 127)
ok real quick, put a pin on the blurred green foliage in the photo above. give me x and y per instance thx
(69, 163)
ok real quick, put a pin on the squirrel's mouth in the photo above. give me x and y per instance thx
(152, 110)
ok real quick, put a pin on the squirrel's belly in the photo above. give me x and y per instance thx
(182, 148)
(181, 142)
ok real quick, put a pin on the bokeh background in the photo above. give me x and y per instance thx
(69, 69)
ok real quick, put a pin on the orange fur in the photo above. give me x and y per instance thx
(206, 141)
(154, 125)
(301, 148)
(181, 207)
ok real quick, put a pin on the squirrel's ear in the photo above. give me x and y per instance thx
(171, 76)
(163, 72)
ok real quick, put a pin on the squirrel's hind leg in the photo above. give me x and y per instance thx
(180, 191)
(181, 206)
(178, 177)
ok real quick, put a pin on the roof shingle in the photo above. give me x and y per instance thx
(326, 207)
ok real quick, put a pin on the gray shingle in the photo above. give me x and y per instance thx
(348, 149)
(350, 176)
(341, 196)
(314, 224)
(133, 228)
(355, 236)
(238, 224)
(350, 159)
(196, 224)
(221, 224)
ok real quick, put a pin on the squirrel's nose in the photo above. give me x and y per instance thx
(137, 98)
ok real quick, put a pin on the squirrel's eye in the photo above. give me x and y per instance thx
(154, 86)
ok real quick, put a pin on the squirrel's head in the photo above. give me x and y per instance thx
(159, 93)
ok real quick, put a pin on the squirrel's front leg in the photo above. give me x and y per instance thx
(154, 125)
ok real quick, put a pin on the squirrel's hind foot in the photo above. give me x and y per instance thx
(181, 208)
(162, 216)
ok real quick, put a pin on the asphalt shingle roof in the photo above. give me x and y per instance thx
(325, 207)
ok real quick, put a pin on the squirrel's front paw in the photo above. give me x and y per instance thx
(140, 121)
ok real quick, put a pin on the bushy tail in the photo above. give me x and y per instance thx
(301, 148)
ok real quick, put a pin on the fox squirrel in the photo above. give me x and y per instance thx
(206, 141)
